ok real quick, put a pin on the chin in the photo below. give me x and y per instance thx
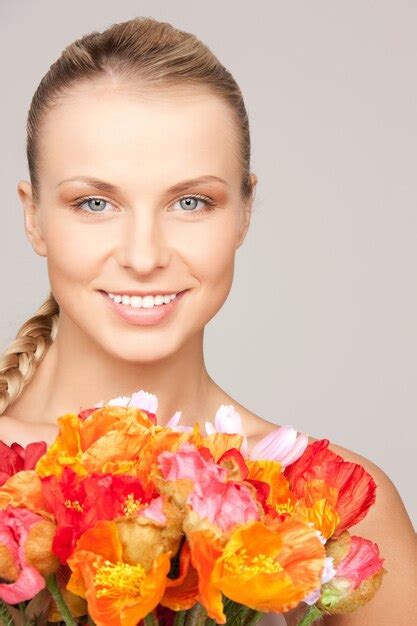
(143, 349)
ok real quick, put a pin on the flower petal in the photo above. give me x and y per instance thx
(276, 444)
(228, 420)
(174, 420)
(296, 451)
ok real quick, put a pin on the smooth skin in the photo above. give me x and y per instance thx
(147, 238)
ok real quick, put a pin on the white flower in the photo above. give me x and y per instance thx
(228, 420)
(140, 399)
(281, 444)
(327, 574)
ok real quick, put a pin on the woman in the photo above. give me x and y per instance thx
(141, 193)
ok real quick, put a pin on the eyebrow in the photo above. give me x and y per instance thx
(110, 188)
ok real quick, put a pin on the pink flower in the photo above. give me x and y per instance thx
(221, 501)
(358, 576)
(187, 462)
(224, 503)
(25, 580)
(361, 562)
(15, 458)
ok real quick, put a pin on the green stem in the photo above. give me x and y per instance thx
(151, 619)
(253, 617)
(90, 620)
(196, 616)
(313, 613)
(5, 615)
(55, 592)
(180, 618)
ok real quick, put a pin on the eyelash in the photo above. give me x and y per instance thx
(76, 206)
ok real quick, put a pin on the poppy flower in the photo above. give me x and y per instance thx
(15, 458)
(279, 565)
(25, 554)
(77, 503)
(107, 440)
(117, 592)
(212, 497)
(353, 488)
(358, 576)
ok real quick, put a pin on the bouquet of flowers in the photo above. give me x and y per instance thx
(121, 522)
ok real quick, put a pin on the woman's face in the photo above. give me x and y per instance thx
(143, 235)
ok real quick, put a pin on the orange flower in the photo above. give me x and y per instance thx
(117, 592)
(270, 472)
(280, 565)
(24, 489)
(65, 450)
(318, 506)
(108, 440)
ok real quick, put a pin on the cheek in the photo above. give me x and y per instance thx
(217, 258)
(72, 253)
(211, 260)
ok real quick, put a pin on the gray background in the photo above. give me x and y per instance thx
(319, 330)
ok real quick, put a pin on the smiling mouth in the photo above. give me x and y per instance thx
(143, 311)
(145, 301)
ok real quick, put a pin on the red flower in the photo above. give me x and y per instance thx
(15, 458)
(78, 503)
(356, 489)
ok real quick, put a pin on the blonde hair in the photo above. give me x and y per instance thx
(142, 51)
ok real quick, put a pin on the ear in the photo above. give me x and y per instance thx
(246, 212)
(31, 218)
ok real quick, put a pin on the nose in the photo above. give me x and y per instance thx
(143, 246)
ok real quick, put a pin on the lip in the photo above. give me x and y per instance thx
(144, 317)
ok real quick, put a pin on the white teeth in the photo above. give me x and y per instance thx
(145, 302)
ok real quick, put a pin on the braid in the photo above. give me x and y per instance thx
(20, 360)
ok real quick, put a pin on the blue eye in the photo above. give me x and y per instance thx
(78, 204)
(210, 204)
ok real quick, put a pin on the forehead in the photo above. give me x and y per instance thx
(115, 133)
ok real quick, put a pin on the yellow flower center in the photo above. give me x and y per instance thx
(73, 504)
(285, 507)
(130, 505)
(239, 563)
(119, 579)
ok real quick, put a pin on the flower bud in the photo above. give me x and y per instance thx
(359, 574)
(38, 548)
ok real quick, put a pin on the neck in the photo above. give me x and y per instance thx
(76, 373)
